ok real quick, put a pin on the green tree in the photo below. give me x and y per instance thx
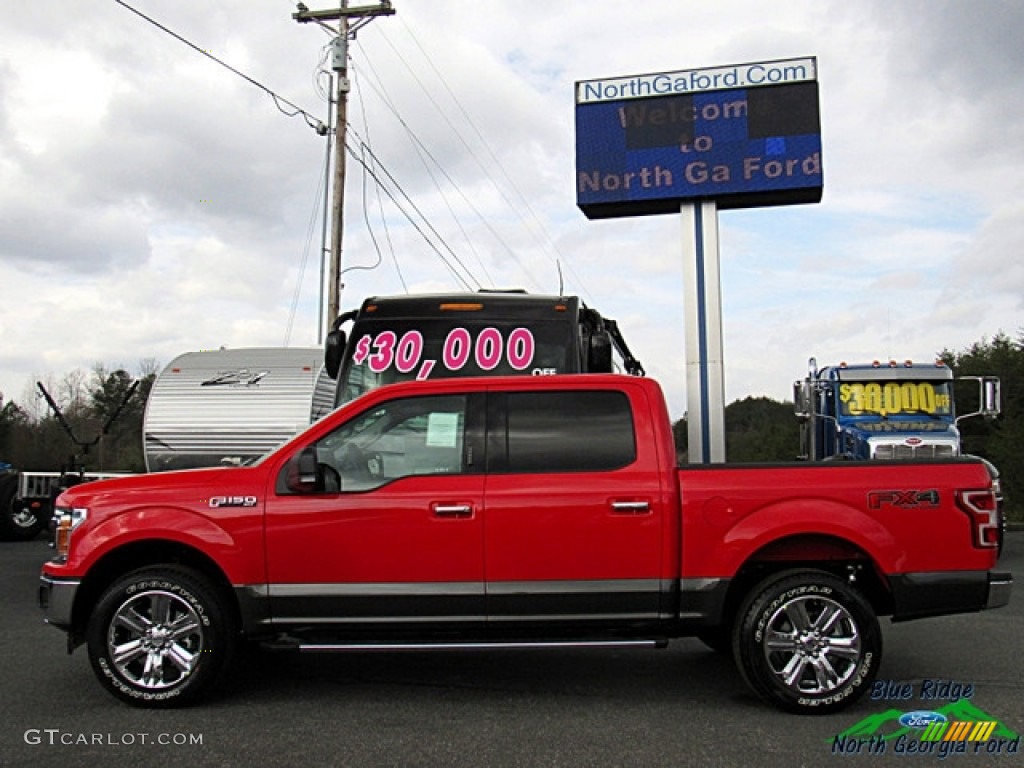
(118, 402)
(757, 429)
(12, 421)
(761, 429)
(998, 441)
(33, 438)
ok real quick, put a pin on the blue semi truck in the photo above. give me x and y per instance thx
(885, 410)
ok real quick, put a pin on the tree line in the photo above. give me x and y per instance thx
(758, 429)
(33, 437)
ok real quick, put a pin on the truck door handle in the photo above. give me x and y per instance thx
(453, 510)
(631, 507)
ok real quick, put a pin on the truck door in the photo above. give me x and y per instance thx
(573, 527)
(392, 530)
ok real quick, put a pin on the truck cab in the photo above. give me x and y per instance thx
(885, 410)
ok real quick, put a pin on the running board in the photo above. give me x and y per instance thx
(468, 646)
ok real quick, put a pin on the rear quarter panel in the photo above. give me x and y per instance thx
(731, 512)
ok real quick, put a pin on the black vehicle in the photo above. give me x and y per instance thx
(18, 521)
(489, 333)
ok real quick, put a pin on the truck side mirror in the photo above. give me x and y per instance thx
(334, 349)
(991, 400)
(299, 474)
(599, 356)
(802, 399)
(989, 397)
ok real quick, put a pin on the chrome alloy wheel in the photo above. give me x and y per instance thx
(812, 644)
(154, 639)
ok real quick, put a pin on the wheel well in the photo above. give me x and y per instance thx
(130, 557)
(826, 553)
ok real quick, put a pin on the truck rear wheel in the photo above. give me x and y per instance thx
(18, 522)
(160, 637)
(807, 642)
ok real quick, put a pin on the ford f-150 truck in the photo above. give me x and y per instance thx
(517, 512)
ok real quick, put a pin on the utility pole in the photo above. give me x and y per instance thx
(339, 63)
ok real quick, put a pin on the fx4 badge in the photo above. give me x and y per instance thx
(903, 499)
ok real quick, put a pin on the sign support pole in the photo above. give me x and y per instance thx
(702, 295)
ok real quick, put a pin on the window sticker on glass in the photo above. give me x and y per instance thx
(443, 430)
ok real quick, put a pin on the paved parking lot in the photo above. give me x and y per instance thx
(677, 707)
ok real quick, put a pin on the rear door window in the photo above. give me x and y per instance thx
(584, 431)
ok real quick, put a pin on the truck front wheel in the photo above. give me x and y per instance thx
(160, 637)
(807, 642)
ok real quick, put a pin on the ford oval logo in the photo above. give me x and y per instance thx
(921, 718)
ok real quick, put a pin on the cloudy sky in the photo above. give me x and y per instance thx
(154, 203)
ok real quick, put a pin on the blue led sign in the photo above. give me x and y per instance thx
(647, 144)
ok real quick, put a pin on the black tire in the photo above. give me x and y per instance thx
(17, 522)
(807, 642)
(175, 634)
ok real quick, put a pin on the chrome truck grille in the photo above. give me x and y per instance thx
(903, 451)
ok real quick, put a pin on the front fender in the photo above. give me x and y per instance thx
(232, 547)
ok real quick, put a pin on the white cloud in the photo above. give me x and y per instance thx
(153, 203)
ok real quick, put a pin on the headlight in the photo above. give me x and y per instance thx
(68, 518)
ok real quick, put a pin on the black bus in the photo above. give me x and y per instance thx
(489, 333)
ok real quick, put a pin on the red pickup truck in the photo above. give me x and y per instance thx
(514, 512)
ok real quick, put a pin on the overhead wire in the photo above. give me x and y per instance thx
(469, 150)
(409, 217)
(305, 257)
(377, 85)
(361, 156)
(369, 227)
(312, 121)
(546, 239)
(295, 110)
(493, 156)
(380, 204)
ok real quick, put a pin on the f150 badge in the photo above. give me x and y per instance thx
(903, 499)
(232, 501)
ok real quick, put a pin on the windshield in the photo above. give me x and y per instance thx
(895, 398)
(387, 351)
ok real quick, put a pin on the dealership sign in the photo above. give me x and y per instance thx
(744, 135)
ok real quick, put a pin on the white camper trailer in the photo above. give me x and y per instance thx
(230, 406)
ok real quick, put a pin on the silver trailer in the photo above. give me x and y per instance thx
(230, 406)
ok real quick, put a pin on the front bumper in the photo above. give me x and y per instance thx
(57, 598)
(919, 595)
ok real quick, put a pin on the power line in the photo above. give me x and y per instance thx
(311, 121)
(421, 150)
(533, 220)
(305, 257)
(380, 206)
(387, 191)
(424, 154)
